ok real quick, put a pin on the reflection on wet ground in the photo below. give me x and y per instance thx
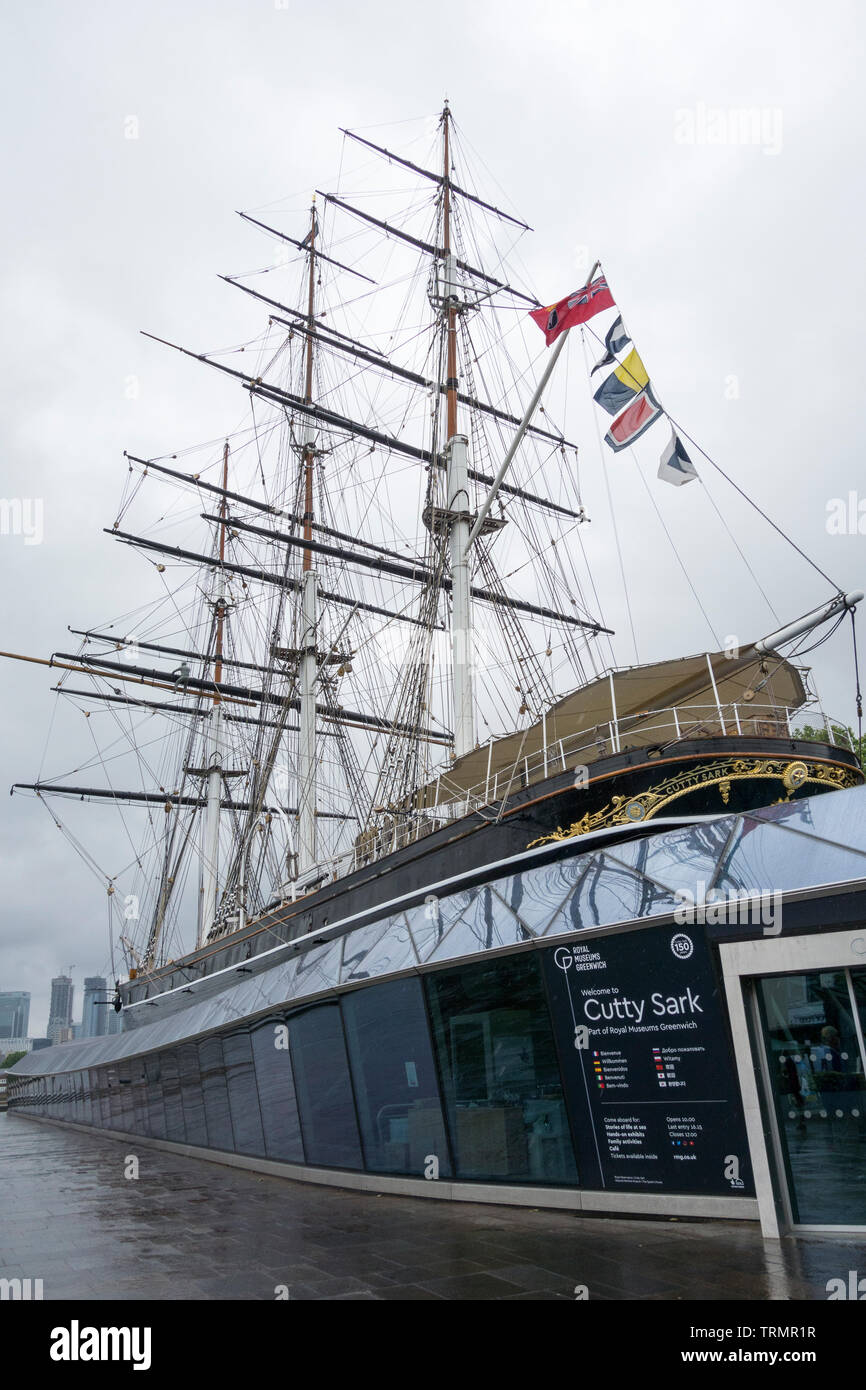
(190, 1229)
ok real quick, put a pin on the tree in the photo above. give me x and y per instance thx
(847, 737)
(11, 1058)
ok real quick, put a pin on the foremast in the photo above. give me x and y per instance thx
(307, 851)
(457, 487)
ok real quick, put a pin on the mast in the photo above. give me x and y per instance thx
(457, 488)
(211, 832)
(307, 845)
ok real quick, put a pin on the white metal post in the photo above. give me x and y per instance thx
(211, 830)
(461, 608)
(307, 738)
(615, 722)
(716, 693)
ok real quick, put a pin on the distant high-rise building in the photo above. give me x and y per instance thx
(94, 1018)
(14, 1013)
(60, 1010)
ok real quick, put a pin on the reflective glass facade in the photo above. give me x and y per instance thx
(443, 1039)
(469, 1072)
(500, 1075)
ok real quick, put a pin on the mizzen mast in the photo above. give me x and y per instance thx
(211, 829)
(457, 486)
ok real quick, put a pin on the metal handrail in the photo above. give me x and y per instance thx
(611, 736)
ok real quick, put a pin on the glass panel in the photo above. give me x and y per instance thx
(395, 1079)
(609, 892)
(112, 1098)
(86, 1103)
(155, 1105)
(485, 922)
(243, 1095)
(426, 926)
(276, 986)
(324, 1089)
(818, 1087)
(124, 1077)
(216, 1096)
(191, 1094)
(376, 949)
(536, 894)
(318, 969)
(103, 1111)
(858, 980)
(839, 817)
(276, 1087)
(679, 858)
(138, 1091)
(95, 1106)
(174, 1125)
(765, 858)
(499, 1072)
(432, 920)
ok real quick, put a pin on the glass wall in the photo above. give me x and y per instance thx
(191, 1094)
(810, 1024)
(281, 1124)
(175, 1128)
(324, 1088)
(464, 1072)
(216, 1096)
(243, 1094)
(394, 1075)
(155, 1104)
(500, 1074)
(126, 1119)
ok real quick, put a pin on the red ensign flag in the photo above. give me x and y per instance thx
(575, 308)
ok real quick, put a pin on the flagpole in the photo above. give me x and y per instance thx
(524, 426)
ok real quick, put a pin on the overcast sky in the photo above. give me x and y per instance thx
(738, 265)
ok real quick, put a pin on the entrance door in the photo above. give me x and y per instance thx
(813, 1033)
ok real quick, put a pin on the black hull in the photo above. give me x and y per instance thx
(703, 777)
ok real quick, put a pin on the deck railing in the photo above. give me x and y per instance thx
(667, 727)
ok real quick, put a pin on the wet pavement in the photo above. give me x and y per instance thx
(190, 1229)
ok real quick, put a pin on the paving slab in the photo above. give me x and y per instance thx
(190, 1229)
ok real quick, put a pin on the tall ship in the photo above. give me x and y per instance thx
(409, 857)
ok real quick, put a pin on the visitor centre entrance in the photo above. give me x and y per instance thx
(799, 1041)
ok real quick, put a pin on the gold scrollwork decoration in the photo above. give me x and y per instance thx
(622, 810)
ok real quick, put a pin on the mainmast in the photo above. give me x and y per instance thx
(211, 832)
(307, 845)
(457, 485)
